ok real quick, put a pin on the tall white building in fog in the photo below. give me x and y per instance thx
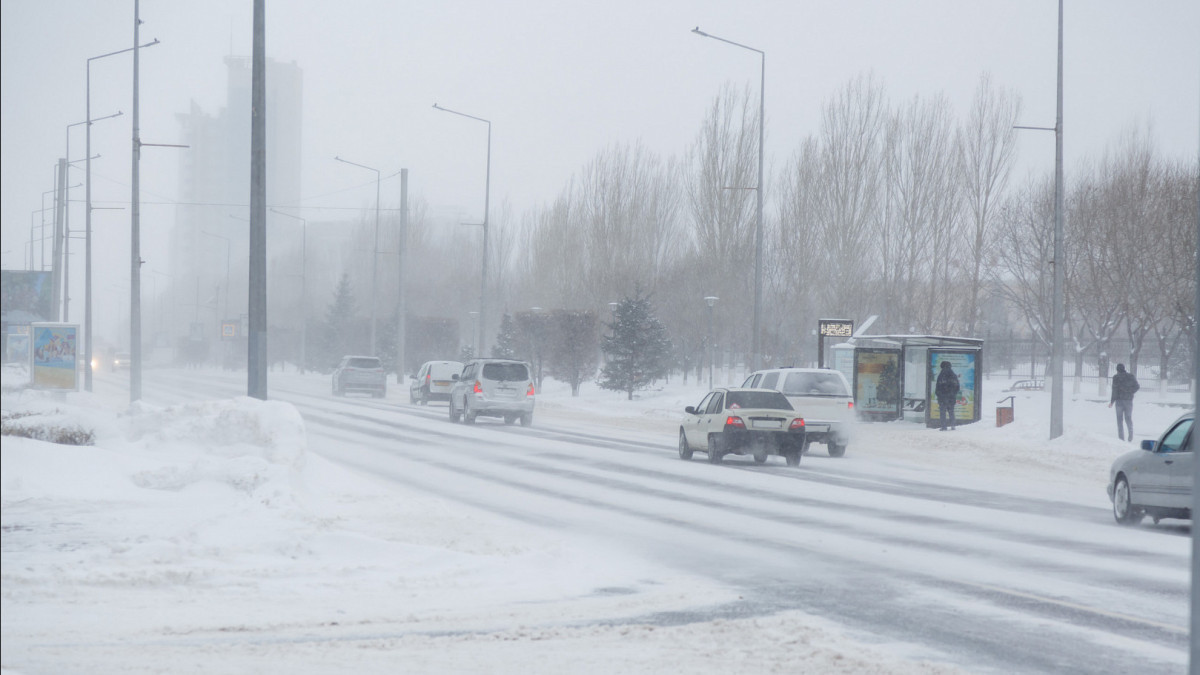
(210, 241)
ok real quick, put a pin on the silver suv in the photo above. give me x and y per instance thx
(493, 388)
(360, 373)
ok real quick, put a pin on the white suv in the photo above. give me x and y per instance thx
(493, 388)
(820, 395)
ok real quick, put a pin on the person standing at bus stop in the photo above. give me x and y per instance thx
(946, 391)
(1124, 386)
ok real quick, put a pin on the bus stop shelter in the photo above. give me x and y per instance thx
(894, 376)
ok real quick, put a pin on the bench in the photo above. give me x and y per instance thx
(1027, 385)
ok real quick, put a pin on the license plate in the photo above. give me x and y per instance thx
(768, 424)
(441, 383)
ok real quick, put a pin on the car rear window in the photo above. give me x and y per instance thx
(771, 400)
(505, 372)
(813, 384)
(443, 371)
(364, 362)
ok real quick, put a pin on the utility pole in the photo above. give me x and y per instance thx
(56, 264)
(256, 358)
(400, 328)
(135, 247)
(1056, 356)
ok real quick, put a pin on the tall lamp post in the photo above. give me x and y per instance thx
(487, 192)
(710, 300)
(303, 286)
(87, 218)
(758, 228)
(1056, 311)
(375, 254)
(67, 213)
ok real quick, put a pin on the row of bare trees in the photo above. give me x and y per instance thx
(901, 209)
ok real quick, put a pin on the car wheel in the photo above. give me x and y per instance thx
(1123, 509)
(760, 456)
(412, 399)
(337, 391)
(527, 419)
(510, 419)
(685, 450)
(792, 458)
(836, 449)
(714, 449)
(468, 414)
(424, 398)
(453, 412)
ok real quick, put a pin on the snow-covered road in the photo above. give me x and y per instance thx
(979, 565)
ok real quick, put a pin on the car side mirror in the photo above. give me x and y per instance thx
(691, 410)
(1148, 445)
(454, 377)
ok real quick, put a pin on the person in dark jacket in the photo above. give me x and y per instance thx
(1124, 386)
(947, 395)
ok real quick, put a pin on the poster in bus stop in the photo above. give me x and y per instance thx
(54, 362)
(964, 365)
(877, 383)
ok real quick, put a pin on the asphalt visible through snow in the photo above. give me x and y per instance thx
(983, 580)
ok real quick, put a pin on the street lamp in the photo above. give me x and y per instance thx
(87, 216)
(1056, 303)
(710, 300)
(303, 286)
(758, 229)
(487, 192)
(67, 217)
(375, 255)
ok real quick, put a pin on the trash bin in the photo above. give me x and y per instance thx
(1005, 414)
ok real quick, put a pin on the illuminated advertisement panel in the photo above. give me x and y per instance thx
(877, 383)
(54, 365)
(964, 364)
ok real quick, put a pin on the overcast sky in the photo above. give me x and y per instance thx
(559, 81)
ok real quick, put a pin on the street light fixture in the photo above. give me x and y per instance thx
(303, 286)
(87, 215)
(375, 255)
(758, 229)
(710, 300)
(487, 192)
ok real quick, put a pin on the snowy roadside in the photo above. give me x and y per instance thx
(209, 537)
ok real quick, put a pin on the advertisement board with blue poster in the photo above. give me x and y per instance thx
(965, 365)
(54, 364)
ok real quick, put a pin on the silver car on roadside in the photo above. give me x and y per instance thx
(1155, 480)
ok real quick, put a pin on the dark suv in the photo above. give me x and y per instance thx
(493, 388)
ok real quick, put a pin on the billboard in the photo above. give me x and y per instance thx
(54, 362)
(26, 297)
(964, 364)
(16, 345)
(877, 383)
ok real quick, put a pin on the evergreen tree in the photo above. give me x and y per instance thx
(340, 334)
(637, 348)
(571, 354)
(507, 339)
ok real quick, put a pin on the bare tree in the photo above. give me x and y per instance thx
(986, 144)
(719, 167)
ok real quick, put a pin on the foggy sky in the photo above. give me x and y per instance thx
(559, 81)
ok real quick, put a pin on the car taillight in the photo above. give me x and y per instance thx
(428, 377)
(530, 392)
(850, 405)
(735, 422)
(797, 423)
(478, 387)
